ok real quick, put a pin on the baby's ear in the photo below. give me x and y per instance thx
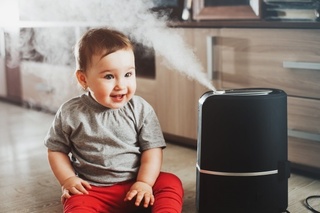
(82, 79)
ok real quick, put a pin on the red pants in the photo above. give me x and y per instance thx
(167, 190)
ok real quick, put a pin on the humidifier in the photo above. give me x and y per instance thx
(242, 155)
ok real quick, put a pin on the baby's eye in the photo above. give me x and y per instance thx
(108, 76)
(128, 74)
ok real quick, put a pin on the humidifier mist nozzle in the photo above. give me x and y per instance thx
(218, 92)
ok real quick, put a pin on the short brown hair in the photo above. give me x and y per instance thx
(99, 41)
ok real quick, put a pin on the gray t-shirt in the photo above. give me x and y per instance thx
(104, 144)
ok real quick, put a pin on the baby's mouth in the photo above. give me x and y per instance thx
(117, 97)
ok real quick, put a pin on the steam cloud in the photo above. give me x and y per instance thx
(132, 17)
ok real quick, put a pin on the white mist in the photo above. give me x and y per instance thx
(129, 16)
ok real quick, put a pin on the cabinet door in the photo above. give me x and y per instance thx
(178, 95)
(175, 95)
(285, 59)
(146, 88)
(304, 131)
(206, 48)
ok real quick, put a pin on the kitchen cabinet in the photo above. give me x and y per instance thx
(178, 95)
(264, 57)
(286, 59)
(175, 95)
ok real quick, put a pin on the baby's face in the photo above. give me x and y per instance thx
(111, 79)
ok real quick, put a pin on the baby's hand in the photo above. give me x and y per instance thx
(74, 186)
(142, 191)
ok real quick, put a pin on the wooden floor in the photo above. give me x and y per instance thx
(27, 184)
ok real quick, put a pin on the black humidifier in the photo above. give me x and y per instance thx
(242, 155)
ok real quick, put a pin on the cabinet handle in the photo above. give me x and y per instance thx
(301, 65)
(304, 135)
(211, 40)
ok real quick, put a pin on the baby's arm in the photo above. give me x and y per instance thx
(62, 169)
(151, 161)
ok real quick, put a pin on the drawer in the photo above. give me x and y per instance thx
(304, 115)
(304, 152)
(304, 132)
(286, 59)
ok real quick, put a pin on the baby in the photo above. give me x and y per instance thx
(105, 146)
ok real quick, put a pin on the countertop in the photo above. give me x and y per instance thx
(246, 24)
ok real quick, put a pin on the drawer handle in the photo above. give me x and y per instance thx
(211, 41)
(304, 135)
(301, 65)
